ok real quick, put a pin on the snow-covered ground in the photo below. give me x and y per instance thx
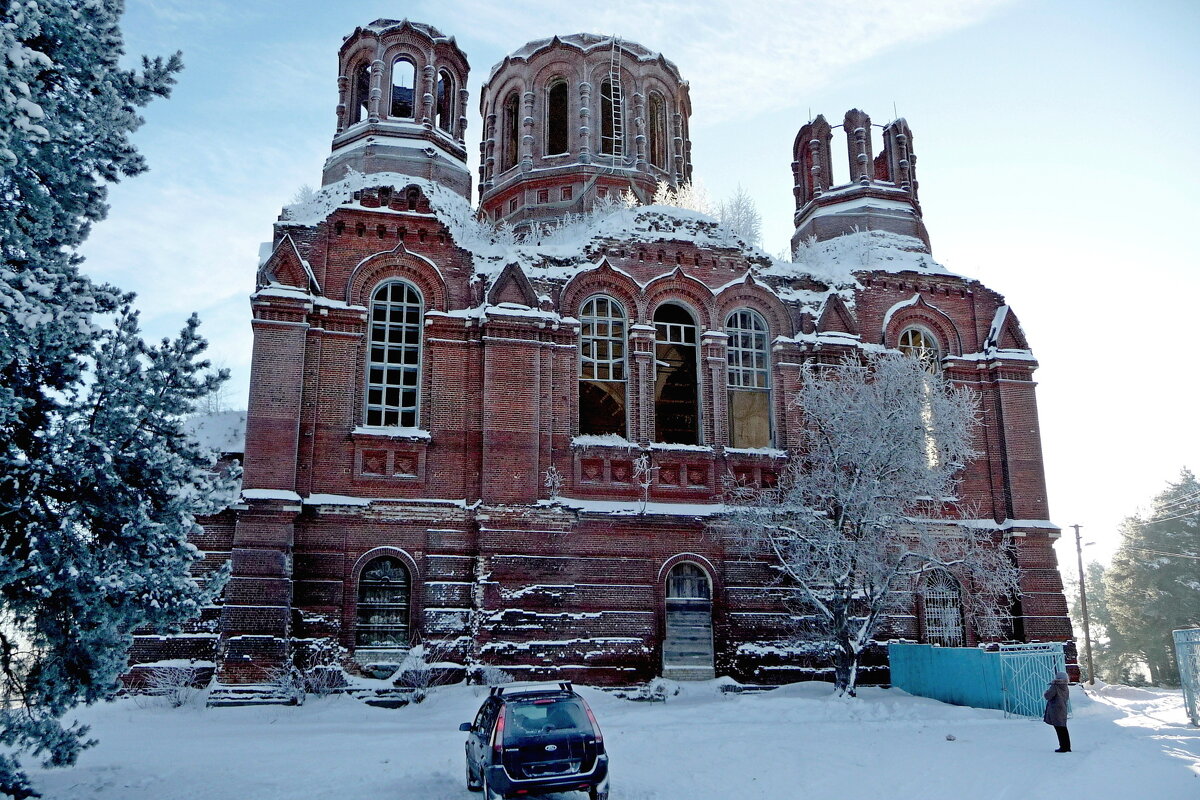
(794, 742)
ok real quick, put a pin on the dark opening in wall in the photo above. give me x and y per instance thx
(556, 119)
(676, 400)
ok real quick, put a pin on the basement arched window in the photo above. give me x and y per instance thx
(749, 380)
(512, 131)
(657, 125)
(676, 390)
(404, 76)
(602, 367)
(383, 599)
(941, 614)
(445, 101)
(394, 356)
(557, 119)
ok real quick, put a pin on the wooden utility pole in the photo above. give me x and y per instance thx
(1087, 633)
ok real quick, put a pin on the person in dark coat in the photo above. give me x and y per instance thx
(1056, 711)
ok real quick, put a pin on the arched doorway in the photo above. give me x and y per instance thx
(688, 647)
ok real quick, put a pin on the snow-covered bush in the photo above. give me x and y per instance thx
(489, 675)
(171, 685)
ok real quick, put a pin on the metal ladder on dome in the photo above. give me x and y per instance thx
(617, 104)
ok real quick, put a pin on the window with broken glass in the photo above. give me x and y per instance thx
(383, 594)
(676, 396)
(602, 367)
(749, 380)
(394, 358)
(920, 344)
(942, 617)
(403, 79)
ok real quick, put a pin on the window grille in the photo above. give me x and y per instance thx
(383, 594)
(942, 616)
(403, 79)
(602, 367)
(394, 363)
(749, 380)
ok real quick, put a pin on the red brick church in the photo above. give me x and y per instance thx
(504, 427)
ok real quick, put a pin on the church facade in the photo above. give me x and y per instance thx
(505, 429)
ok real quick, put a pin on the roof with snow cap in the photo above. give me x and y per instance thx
(586, 43)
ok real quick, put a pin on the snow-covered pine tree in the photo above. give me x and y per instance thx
(1153, 583)
(851, 522)
(99, 485)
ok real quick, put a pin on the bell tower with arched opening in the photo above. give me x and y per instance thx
(575, 119)
(402, 105)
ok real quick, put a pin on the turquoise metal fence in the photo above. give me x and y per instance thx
(1011, 679)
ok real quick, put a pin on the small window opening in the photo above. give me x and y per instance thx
(360, 229)
(676, 389)
(412, 197)
(381, 231)
(566, 193)
(403, 80)
(512, 205)
(543, 195)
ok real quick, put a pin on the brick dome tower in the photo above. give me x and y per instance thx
(402, 102)
(573, 119)
(881, 193)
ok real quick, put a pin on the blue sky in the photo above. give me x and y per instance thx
(1056, 165)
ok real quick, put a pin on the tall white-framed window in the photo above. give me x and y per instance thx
(383, 600)
(749, 379)
(941, 615)
(394, 356)
(602, 370)
(404, 77)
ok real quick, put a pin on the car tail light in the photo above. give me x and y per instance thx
(595, 727)
(498, 737)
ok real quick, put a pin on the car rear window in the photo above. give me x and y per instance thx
(540, 717)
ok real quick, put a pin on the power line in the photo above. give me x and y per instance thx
(1159, 552)
(1181, 500)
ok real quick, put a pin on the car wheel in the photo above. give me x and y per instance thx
(598, 792)
(473, 785)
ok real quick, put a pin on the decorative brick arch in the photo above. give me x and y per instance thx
(753, 295)
(679, 287)
(693, 558)
(603, 279)
(918, 313)
(350, 604)
(397, 263)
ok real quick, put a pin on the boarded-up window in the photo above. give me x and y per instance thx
(676, 400)
(658, 131)
(556, 118)
(403, 80)
(749, 380)
(512, 131)
(394, 358)
(383, 591)
(602, 367)
(445, 101)
(362, 93)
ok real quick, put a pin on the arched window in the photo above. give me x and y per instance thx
(512, 131)
(394, 359)
(749, 380)
(445, 101)
(941, 618)
(556, 118)
(602, 367)
(404, 76)
(383, 591)
(612, 128)
(687, 581)
(658, 130)
(923, 346)
(676, 396)
(360, 106)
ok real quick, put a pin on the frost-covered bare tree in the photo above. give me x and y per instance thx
(858, 517)
(691, 196)
(740, 214)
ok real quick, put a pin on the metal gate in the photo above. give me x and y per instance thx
(1187, 655)
(1026, 670)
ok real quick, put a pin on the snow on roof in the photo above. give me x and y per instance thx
(586, 43)
(220, 431)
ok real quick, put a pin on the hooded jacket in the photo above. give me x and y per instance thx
(1056, 701)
